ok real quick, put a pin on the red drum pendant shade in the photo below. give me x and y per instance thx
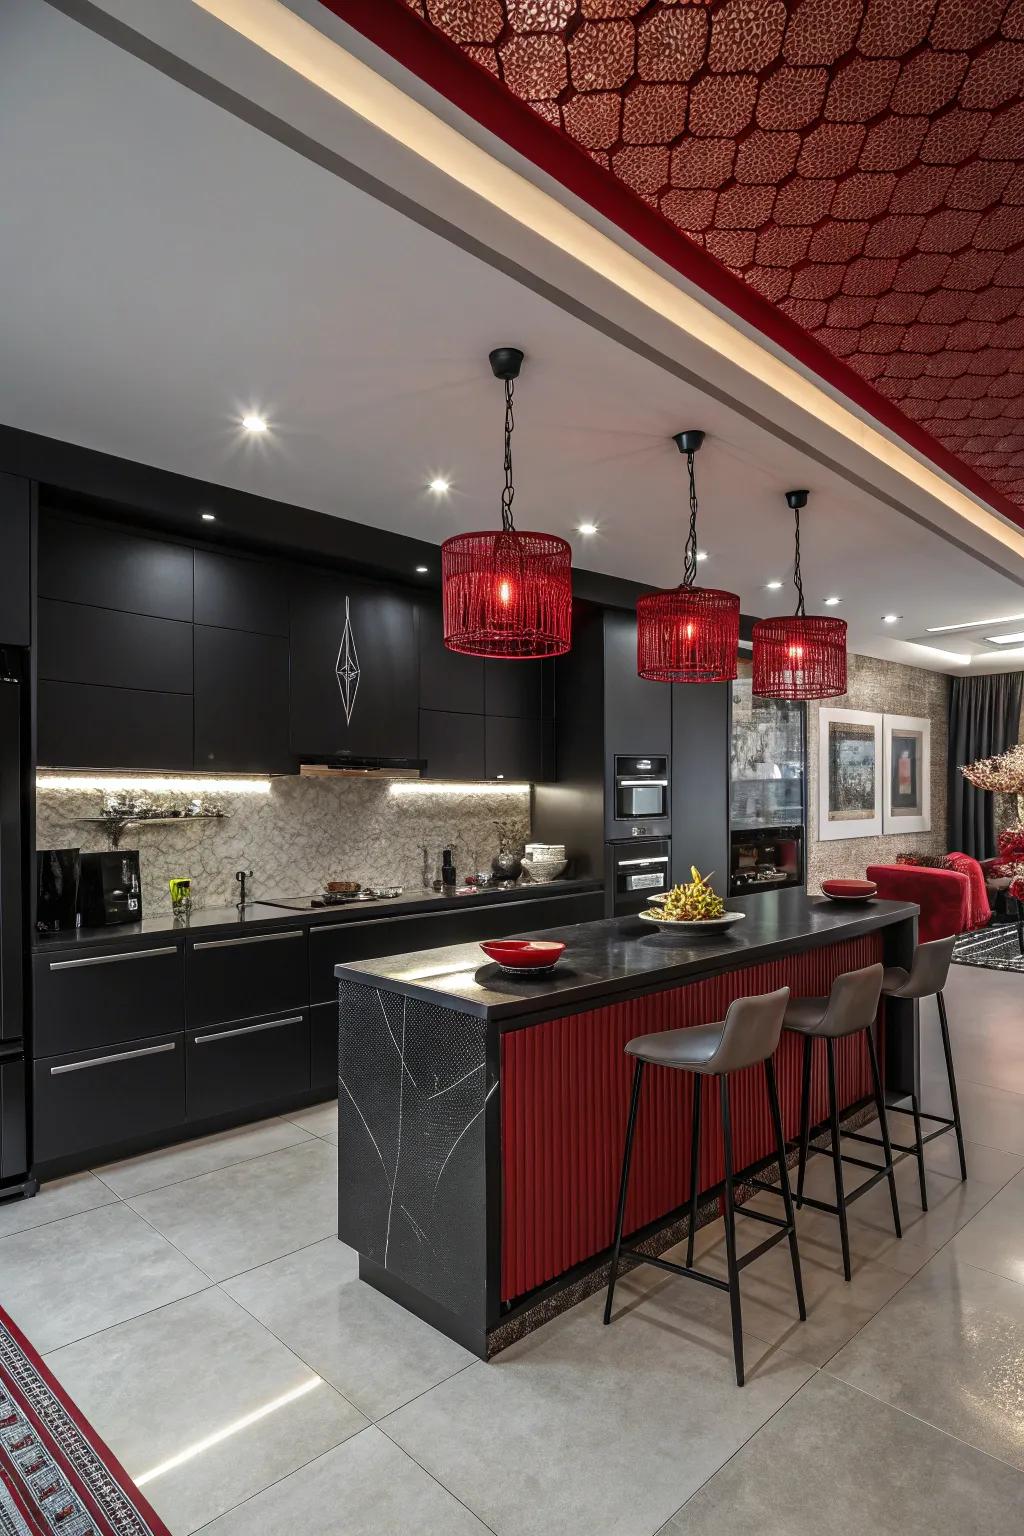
(797, 657)
(506, 593)
(689, 634)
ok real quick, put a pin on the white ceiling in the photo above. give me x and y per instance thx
(166, 267)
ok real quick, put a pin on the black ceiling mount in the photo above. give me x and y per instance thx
(505, 362)
(795, 500)
(688, 442)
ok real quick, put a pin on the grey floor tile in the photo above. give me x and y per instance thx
(992, 1115)
(374, 1351)
(202, 1405)
(170, 1165)
(62, 1197)
(988, 1045)
(834, 1459)
(246, 1215)
(366, 1487)
(587, 1430)
(949, 1349)
(70, 1278)
(318, 1119)
(994, 1240)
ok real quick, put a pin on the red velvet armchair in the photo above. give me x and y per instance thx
(944, 896)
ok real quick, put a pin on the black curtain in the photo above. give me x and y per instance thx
(984, 720)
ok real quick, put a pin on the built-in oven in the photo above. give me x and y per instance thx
(637, 871)
(641, 788)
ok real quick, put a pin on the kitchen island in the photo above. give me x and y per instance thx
(481, 1116)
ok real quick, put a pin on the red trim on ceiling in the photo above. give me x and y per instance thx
(424, 50)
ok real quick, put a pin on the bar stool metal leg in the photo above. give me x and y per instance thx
(883, 1122)
(805, 1119)
(787, 1198)
(915, 1110)
(627, 1156)
(948, 1053)
(694, 1167)
(730, 1231)
(837, 1154)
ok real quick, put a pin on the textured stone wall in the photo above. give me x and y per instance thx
(885, 687)
(304, 832)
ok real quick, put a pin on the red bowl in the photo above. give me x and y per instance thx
(523, 954)
(849, 890)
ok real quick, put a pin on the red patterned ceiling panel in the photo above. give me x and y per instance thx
(859, 163)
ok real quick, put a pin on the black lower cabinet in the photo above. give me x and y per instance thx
(107, 998)
(247, 978)
(238, 1066)
(93, 1099)
(13, 1128)
(323, 1047)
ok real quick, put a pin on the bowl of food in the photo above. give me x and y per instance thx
(849, 890)
(524, 957)
(694, 908)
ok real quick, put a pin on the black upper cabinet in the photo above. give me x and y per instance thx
(82, 726)
(354, 669)
(15, 523)
(514, 749)
(515, 688)
(232, 592)
(638, 714)
(79, 644)
(81, 562)
(452, 745)
(241, 702)
(447, 681)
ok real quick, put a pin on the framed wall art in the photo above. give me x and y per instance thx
(849, 773)
(907, 772)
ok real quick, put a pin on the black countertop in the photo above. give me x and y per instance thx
(622, 955)
(212, 922)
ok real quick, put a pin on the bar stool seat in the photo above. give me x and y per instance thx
(747, 1036)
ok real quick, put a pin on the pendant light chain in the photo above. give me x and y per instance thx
(690, 566)
(797, 579)
(509, 490)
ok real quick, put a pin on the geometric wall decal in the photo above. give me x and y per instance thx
(347, 667)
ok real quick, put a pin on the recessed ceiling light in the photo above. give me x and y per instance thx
(254, 423)
(702, 554)
(830, 602)
(421, 570)
(891, 618)
(773, 586)
(440, 486)
(208, 517)
(945, 629)
(1005, 639)
(586, 529)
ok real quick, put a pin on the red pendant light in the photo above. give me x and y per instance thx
(797, 657)
(507, 594)
(690, 634)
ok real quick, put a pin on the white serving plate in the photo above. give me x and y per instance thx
(702, 925)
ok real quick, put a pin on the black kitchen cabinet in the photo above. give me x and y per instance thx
(323, 1047)
(95, 1099)
(354, 669)
(107, 997)
(515, 688)
(451, 745)
(239, 1066)
(232, 592)
(514, 749)
(82, 644)
(241, 701)
(246, 978)
(107, 567)
(448, 681)
(83, 726)
(15, 523)
(638, 714)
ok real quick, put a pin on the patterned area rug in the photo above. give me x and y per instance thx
(57, 1478)
(996, 948)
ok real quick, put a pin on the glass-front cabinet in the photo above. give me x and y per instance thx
(766, 790)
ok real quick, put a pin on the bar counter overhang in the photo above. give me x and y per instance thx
(481, 1117)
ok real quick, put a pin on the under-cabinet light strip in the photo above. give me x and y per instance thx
(156, 784)
(443, 787)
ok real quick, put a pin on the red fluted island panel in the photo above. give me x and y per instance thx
(565, 1094)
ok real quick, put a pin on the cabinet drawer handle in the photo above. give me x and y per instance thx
(131, 954)
(102, 1061)
(260, 938)
(246, 1029)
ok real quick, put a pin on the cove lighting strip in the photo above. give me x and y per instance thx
(156, 784)
(441, 787)
(324, 63)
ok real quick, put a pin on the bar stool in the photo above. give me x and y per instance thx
(851, 1007)
(926, 978)
(749, 1034)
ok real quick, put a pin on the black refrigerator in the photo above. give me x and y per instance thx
(13, 1110)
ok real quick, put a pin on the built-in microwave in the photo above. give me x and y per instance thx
(641, 788)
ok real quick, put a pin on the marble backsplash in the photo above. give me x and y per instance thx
(299, 834)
